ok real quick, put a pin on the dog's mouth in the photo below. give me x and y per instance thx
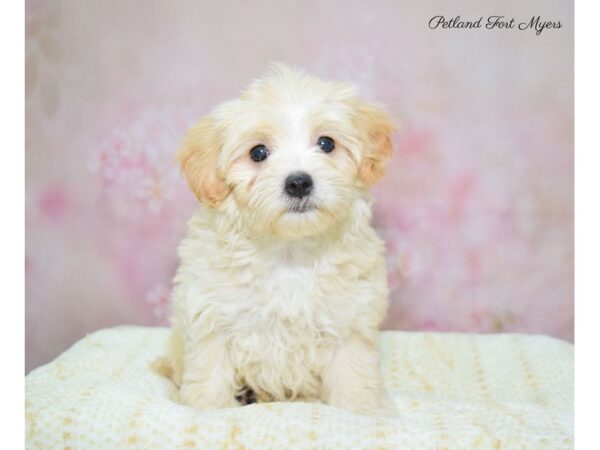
(301, 207)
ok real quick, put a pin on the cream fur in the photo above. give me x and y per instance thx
(285, 303)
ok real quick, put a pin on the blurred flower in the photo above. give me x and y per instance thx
(136, 163)
(158, 298)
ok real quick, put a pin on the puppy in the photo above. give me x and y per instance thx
(282, 282)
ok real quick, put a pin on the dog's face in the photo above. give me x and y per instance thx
(294, 152)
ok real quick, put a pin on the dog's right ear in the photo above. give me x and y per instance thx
(198, 160)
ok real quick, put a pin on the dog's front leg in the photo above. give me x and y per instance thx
(208, 380)
(353, 380)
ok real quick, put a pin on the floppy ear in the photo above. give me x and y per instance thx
(375, 128)
(198, 160)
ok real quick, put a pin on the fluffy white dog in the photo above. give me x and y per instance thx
(282, 282)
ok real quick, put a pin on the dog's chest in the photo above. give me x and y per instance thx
(280, 298)
(286, 290)
(281, 329)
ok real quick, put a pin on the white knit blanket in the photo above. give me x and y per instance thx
(452, 391)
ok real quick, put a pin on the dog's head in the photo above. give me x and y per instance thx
(293, 153)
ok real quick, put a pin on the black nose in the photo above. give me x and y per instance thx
(298, 184)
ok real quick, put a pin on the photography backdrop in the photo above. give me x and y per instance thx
(476, 209)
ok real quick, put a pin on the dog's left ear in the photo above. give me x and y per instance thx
(198, 158)
(375, 129)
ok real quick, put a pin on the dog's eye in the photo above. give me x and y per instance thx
(259, 153)
(326, 144)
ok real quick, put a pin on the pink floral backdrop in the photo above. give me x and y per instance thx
(476, 210)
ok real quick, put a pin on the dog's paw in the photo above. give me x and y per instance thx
(246, 396)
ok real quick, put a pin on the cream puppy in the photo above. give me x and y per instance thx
(282, 282)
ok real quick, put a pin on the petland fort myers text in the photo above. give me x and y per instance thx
(535, 23)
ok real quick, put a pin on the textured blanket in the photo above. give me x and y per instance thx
(452, 391)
